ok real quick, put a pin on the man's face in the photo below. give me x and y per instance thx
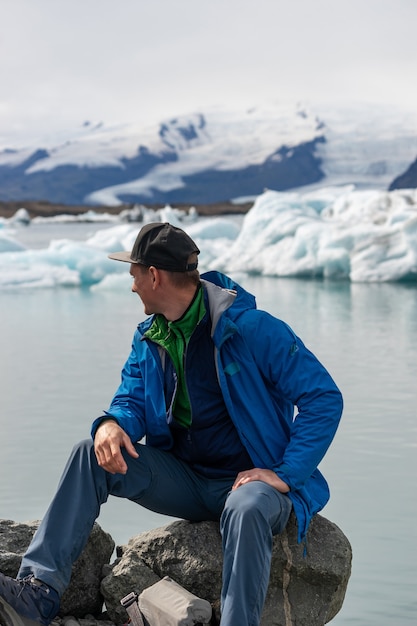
(143, 282)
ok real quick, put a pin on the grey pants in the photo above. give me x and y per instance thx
(249, 517)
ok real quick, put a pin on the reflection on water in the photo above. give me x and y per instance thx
(62, 351)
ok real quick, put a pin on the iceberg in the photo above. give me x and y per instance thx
(332, 233)
(337, 233)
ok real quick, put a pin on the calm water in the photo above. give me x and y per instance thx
(61, 355)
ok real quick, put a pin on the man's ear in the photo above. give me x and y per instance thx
(155, 276)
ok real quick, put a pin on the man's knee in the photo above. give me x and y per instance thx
(83, 448)
(245, 502)
(83, 456)
(257, 502)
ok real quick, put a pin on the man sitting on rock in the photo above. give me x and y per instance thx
(211, 383)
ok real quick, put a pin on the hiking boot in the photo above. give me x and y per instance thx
(29, 598)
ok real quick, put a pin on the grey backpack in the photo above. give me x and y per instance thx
(166, 603)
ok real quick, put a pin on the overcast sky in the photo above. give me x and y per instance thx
(66, 61)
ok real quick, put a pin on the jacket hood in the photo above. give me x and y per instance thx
(230, 296)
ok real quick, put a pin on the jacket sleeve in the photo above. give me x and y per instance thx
(128, 404)
(296, 377)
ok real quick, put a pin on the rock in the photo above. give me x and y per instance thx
(130, 574)
(83, 595)
(304, 590)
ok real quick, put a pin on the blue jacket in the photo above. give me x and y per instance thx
(264, 371)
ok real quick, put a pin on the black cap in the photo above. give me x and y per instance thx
(162, 245)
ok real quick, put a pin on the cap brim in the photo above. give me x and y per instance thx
(121, 256)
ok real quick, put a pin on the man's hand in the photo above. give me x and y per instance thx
(108, 441)
(265, 475)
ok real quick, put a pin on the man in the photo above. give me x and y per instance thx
(212, 383)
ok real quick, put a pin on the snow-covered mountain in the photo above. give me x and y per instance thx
(213, 156)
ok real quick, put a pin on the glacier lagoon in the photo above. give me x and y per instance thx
(62, 350)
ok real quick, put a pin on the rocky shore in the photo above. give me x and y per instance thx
(307, 583)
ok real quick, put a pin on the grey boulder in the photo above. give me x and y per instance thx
(307, 587)
(83, 596)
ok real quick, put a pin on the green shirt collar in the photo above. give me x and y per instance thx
(184, 326)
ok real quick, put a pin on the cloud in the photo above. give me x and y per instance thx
(64, 62)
